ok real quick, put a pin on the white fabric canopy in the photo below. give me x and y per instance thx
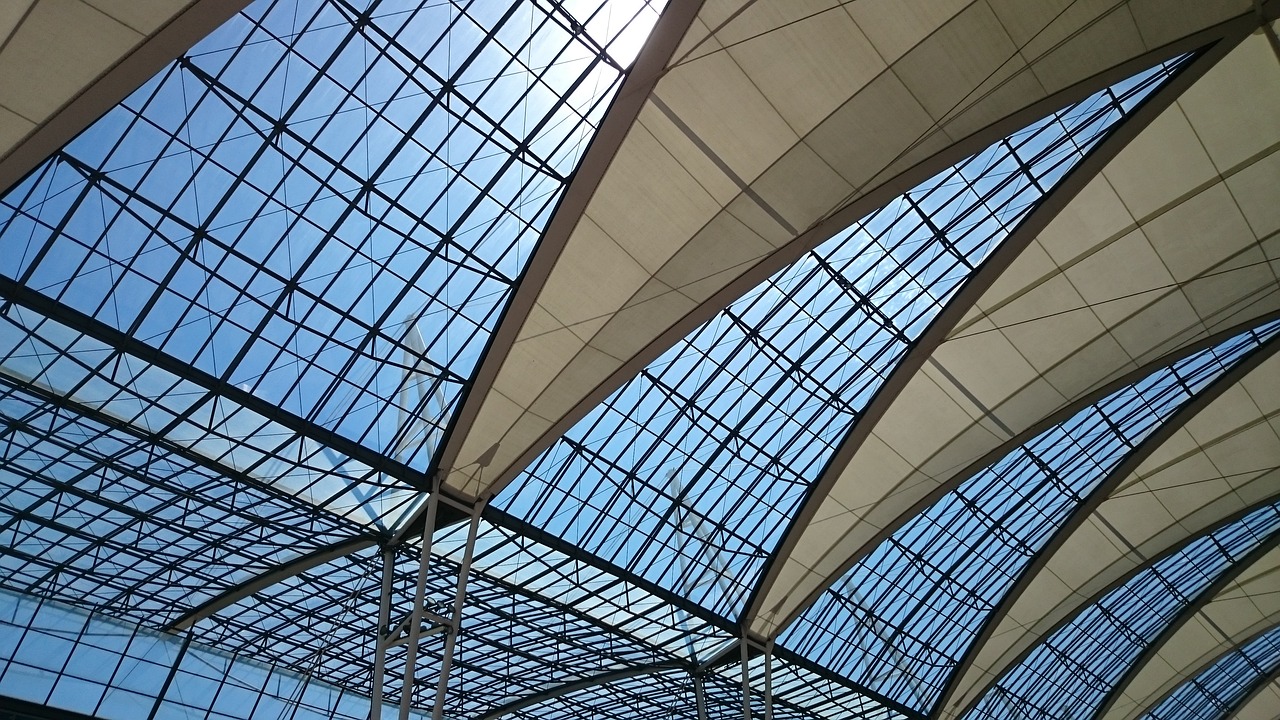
(738, 162)
(1171, 244)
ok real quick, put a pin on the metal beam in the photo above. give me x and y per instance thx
(569, 688)
(768, 680)
(383, 631)
(455, 627)
(168, 680)
(266, 579)
(700, 695)
(414, 622)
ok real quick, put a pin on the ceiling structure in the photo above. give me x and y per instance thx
(794, 359)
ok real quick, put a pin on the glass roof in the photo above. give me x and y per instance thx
(1218, 690)
(315, 625)
(55, 654)
(901, 620)
(84, 375)
(1079, 665)
(537, 621)
(238, 312)
(320, 209)
(93, 512)
(690, 473)
(533, 623)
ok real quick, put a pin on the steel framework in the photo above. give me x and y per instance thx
(222, 401)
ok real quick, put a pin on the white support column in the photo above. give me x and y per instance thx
(459, 598)
(414, 621)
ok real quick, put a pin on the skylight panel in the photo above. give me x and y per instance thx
(324, 204)
(64, 657)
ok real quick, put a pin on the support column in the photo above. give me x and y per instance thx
(768, 680)
(421, 622)
(700, 695)
(384, 630)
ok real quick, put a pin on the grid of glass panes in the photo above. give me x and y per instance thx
(66, 658)
(533, 620)
(688, 474)
(1076, 667)
(85, 375)
(101, 517)
(1220, 688)
(325, 203)
(902, 618)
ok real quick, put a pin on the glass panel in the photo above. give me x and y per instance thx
(86, 376)
(323, 205)
(110, 519)
(79, 661)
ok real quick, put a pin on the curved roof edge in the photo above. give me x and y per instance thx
(964, 709)
(1259, 703)
(1180, 671)
(1240, 608)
